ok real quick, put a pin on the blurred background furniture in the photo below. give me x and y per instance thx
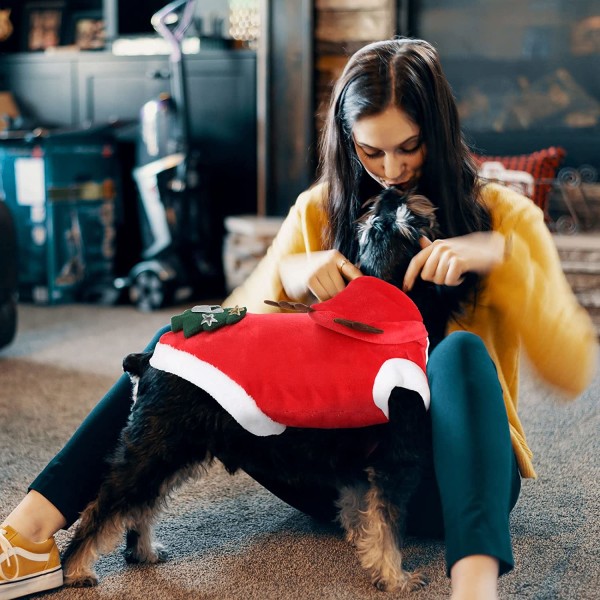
(8, 276)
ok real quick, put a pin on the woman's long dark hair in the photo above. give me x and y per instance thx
(405, 73)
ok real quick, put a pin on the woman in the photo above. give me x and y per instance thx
(393, 122)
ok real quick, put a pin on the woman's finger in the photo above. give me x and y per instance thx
(424, 242)
(441, 269)
(318, 290)
(415, 266)
(455, 275)
(348, 270)
(434, 264)
(333, 281)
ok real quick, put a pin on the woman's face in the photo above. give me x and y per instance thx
(389, 147)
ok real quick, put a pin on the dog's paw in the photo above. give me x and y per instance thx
(405, 582)
(414, 581)
(81, 580)
(155, 553)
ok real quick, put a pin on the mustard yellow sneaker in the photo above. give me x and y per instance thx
(27, 567)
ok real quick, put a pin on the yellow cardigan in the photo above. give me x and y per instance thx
(525, 302)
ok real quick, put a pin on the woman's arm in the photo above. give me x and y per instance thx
(530, 288)
(524, 281)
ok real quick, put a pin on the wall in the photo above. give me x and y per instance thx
(341, 28)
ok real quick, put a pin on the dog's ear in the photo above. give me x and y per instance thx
(136, 364)
(369, 202)
(423, 207)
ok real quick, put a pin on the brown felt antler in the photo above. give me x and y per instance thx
(303, 308)
(295, 306)
(358, 326)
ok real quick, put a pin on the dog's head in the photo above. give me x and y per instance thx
(389, 233)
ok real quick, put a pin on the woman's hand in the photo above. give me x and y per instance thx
(323, 273)
(445, 262)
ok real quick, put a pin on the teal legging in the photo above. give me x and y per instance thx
(474, 464)
(466, 494)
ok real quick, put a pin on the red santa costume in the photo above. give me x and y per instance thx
(270, 371)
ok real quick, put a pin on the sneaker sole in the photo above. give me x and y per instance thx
(32, 585)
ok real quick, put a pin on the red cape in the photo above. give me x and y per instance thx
(275, 370)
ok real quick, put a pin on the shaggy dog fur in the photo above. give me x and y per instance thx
(175, 430)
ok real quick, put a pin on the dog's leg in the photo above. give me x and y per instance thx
(379, 539)
(393, 479)
(140, 546)
(118, 508)
(351, 503)
(150, 460)
(95, 535)
(373, 530)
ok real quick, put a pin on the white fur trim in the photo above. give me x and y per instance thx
(229, 394)
(399, 372)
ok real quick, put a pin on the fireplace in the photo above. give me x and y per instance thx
(524, 72)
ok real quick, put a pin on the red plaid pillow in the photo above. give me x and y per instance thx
(542, 165)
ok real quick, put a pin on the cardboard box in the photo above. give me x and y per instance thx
(8, 107)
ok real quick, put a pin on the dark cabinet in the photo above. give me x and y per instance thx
(42, 87)
(221, 93)
(84, 88)
(117, 88)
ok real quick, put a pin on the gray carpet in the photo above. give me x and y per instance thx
(228, 538)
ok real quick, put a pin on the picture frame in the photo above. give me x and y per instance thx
(87, 30)
(42, 25)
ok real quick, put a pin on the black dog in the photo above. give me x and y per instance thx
(388, 238)
(176, 430)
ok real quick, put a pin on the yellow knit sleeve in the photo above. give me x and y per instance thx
(531, 290)
(300, 232)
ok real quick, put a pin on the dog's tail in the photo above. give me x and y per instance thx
(136, 364)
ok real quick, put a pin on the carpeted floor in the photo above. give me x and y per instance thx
(228, 538)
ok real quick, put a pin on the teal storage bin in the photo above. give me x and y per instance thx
(63, 191)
